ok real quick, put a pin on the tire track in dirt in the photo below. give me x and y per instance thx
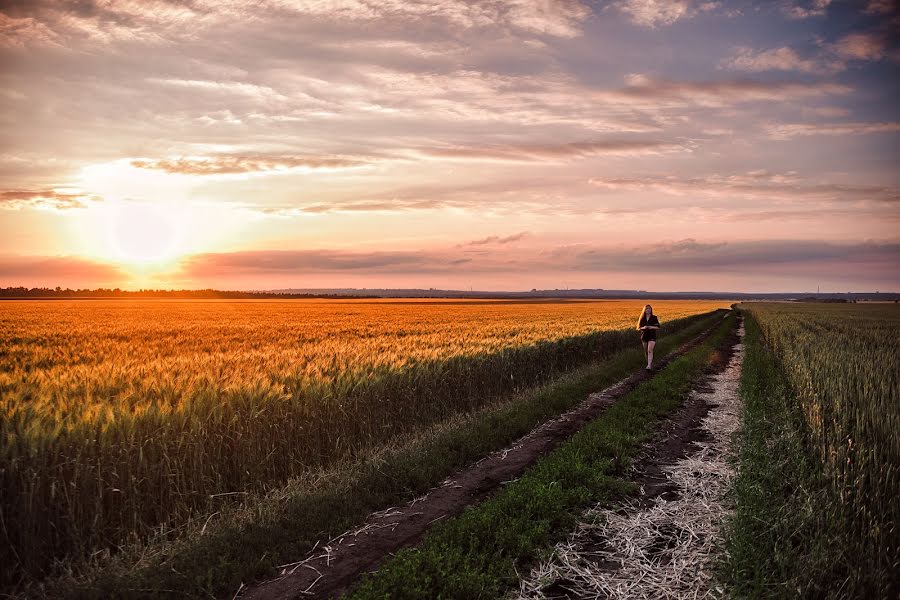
(331, 567)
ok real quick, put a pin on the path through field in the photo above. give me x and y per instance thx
(333, 565)
(662, 544)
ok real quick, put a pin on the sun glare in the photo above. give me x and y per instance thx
(149, 221)
(143, 234)
(140, 223)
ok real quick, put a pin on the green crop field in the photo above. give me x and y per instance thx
(822, 450)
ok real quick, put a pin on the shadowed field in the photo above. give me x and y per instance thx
(820, 461)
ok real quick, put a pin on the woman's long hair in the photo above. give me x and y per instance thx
(641, 318)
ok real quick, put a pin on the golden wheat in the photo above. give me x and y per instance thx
(120, 416)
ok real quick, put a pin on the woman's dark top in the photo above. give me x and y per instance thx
(649, 335)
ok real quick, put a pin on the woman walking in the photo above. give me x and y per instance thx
(648, 325)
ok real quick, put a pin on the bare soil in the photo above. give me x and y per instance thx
(330, 568)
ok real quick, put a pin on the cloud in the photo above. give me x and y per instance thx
(653, 13)
(833, 57)
(758, 185)
(241, 164)
(316, 261)
(161, 22)
(551, 152)
(500, 198)
(717, 93)
(808, 215)
(53, 199)
(779, 59)
(871, 260)
(450, 108)
(509, 196)
(228, 88)
(73, 23)
(880, 7)
(560, 18)
(689, 255)
(22, 32)
(497, 240)
(686, 255)
(804, 9)
(392, 205)
(492, 98)
(306, 94)
(861, 46)
(543, 194)
(791, 130)
(55, 270)
(555, 18)
(561, 196)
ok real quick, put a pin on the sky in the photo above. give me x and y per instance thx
(629, 144)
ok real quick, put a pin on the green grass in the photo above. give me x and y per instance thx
(243, 544)
(788, 537)
(475, 554)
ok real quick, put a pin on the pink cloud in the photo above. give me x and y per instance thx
(861, 46)
(779, 59)
(791, 130)
(880, 7)
(237, 164)
(555, 17)
(863, 262)
(663, 92)
(497, 240)
(545, 152)
(25, 31)
(160, 22)
(49, 199)
(797, 9)
(831, 58)
(686, 255)
(653, 13)
(50, 271)
(761, 185)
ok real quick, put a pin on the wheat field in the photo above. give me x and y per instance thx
(842, 363)
(123, 417)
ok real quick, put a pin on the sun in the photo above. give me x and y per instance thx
(142, 221)
(150, 222)
(143, 234)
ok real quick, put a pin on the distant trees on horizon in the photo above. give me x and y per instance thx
(58, 292)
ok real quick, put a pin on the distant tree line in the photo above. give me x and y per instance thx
(827, 300)
(58, 292)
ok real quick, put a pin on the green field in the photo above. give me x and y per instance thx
(820, 464)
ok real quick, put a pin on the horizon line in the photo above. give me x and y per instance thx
(471, 292)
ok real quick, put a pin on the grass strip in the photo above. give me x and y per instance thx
(213, 558)
(475, 554)
(781, 541)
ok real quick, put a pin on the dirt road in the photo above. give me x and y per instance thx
(662, 544)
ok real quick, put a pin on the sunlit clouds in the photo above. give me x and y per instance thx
(498, 145)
